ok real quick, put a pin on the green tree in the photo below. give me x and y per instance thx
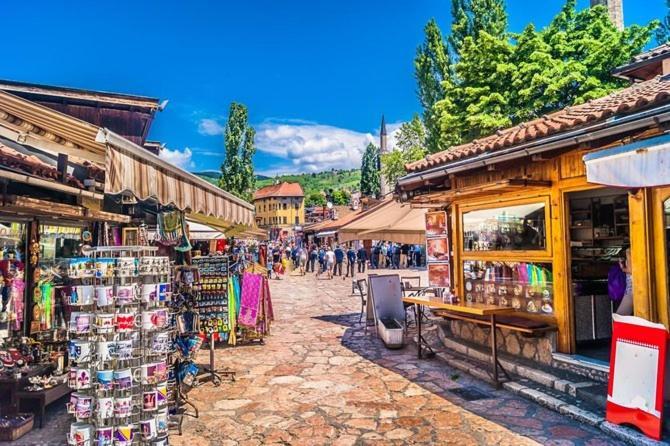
(370, 180)
(432, 67)
(410, 146)
(500, 81)
(315, 199)
(237, 170)
(471, 17)
(662, 33)
(341, 197)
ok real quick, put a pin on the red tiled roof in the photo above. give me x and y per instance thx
(32, 165)
(634, 98)
(279, 190)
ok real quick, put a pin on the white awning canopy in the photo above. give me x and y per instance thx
(640, 164)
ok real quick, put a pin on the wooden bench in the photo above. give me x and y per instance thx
(42, 398)
(527, 327)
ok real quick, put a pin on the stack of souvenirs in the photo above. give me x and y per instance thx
(121, 341)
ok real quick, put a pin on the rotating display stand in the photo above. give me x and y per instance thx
(121, 341)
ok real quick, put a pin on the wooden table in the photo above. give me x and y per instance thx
(472, 309)
(9, 386)
(43, 398)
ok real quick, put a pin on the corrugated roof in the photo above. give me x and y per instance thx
(282, 189)
(632, 99)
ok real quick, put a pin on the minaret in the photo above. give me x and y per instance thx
(615, 8)
(384, 189)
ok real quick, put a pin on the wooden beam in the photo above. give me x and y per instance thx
(34, 206)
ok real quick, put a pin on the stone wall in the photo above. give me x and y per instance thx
(512, 342)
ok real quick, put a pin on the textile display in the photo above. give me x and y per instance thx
(251, 299)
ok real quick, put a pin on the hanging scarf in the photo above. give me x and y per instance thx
(232, 312)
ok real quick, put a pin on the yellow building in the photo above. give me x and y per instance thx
(280, 205)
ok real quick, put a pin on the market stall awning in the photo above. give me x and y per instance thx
(391, 221)
(198, 231)
(640, 164)
(132, 169)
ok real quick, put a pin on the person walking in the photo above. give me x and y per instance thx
(362, 258)
(404, 252)
(313, 255)
(339, 259)
(322, 261)
(351, 260)
(330, 261)
(383, 252)
(302, 259)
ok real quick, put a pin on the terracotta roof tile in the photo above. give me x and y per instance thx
(30, 164)
(283, 189)
(644, 94)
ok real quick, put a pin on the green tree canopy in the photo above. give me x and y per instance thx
(237, 170)
(501, 79)
(341, 197)
(662, 33)
(370, 180)
(410, 146)
(315, 199)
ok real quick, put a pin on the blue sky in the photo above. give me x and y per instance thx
(316, 75)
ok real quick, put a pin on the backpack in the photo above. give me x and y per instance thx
(616, 283)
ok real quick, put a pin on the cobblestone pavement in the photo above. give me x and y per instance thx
(319, 379)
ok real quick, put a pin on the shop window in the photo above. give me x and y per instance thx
(285, 220)
(523, 286)
(13, 285)
(511, 228)
(297, 220)
(285, 206)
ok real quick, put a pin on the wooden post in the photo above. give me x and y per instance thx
(642, 254)
(62, 167)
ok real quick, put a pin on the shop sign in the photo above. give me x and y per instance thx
(437, 249)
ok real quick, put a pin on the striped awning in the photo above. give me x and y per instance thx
(132, 169)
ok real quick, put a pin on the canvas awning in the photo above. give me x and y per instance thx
(640, 164)
(132, 169)
(391, 221)
(199, 231)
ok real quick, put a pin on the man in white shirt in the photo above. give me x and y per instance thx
(330, 261)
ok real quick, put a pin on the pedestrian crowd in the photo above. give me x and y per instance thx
(342, 260)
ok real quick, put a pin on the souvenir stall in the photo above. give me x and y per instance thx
(120, 347)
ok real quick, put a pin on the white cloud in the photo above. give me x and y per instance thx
(210, 127)
(312, 147)
(179, 158)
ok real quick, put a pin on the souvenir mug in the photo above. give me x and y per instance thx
(79, 350)
(104, 295)
(81, 405)
(82, 295)
(126, 321)
(80, 377)
(149, 292)
(126, 294)
(104, 322)
(80, 323)
(123, 435)
(148, 428)
(162, 421)
(81, 434)
(161, 317)
(105, 379)
(123, 407)
(149, 373)
(149, 319)
(123, 378)
(149, 400)
(71, 406)
(160, 441)
(104, 436)
(105, 408)
(161, 394)
(106, 350)
(124, 349)
(161, 342)
(104, 267)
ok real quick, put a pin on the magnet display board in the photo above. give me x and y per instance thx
(637, 372)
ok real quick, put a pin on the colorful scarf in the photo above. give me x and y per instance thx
(251, 299)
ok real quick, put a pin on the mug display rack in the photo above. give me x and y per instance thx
(121, 341)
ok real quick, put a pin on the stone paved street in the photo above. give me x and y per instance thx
(320, 380)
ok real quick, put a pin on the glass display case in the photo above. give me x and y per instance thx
(511, 228)
(524, 286)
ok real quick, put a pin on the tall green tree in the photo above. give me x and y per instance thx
(471, 17)
(370, 179)
(237, 170)
(410, 146)
(500, 81)
(662, 33)
(432, 67)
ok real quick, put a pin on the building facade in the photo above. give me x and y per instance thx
(280, 205)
